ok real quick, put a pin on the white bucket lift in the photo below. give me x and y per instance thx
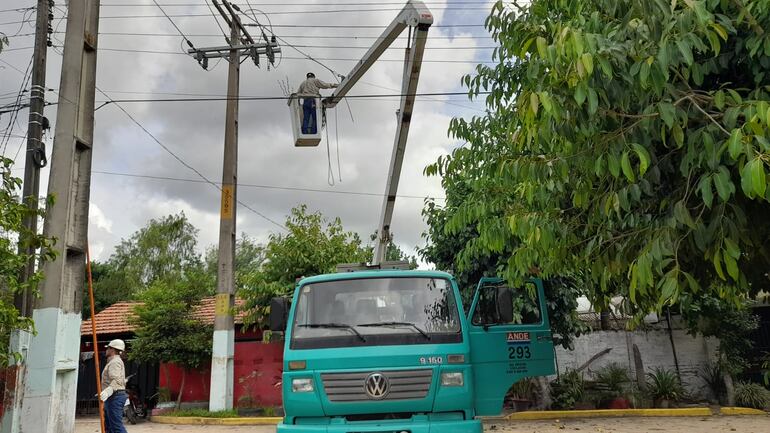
(313, 135)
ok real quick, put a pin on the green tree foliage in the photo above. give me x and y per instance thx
(626, 140)
(394, 253)
(167, 329)
(458, 253)
(109, 287)
(731, 324)
(249, 257)
(163, 250)
(12, 234)
(312, 246)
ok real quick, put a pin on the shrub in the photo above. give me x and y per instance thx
(752, 395)
(615, 378)
(523, 389)
(567, 390)
(664, 384)
(712, 375)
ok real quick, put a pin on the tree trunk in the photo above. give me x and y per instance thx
(544, 393)
(167, 375)
(639, 367)
(604, 320)
(181, 389)
(729, 389)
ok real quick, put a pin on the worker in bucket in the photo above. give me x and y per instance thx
(114, 387)
(311, 87)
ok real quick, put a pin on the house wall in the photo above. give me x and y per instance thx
(257, 373)
(655, 350)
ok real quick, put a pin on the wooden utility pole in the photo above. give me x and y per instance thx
(50, 383)
(35, 160)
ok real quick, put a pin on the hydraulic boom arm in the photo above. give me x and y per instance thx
(418, 18)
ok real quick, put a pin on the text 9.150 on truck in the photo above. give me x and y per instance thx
(393, 351)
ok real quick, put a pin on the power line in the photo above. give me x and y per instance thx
(217, 21)
(302, 26)
(396, 3)
(15, 113)
(18, 9)
(444, 101)
(180, 160)
(284, 98)
(127, 50)
(261, 186)
(209, 35)
(190, 44)
(396, 48)
(8, 50)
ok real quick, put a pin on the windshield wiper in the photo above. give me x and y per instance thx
(412, 325)
(334, 326)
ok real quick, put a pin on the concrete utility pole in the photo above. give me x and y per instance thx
(35, 160)
(50, 383)
(221, 388)
(221, 395)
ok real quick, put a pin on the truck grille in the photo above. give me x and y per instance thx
(402, 385)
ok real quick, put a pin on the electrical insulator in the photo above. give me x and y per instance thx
(255, 55)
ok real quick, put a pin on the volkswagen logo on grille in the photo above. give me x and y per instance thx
(376, 386)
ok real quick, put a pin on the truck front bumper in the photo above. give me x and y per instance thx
(466, 426)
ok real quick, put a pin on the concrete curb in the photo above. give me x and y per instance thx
(608, 413)
(518, 416)
(741, 411)
(195, 420)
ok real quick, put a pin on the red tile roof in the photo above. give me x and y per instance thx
(116, 318)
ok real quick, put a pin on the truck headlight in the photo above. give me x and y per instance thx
(452, 379)
(302, 385)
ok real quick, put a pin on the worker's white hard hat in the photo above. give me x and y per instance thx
(117, 345)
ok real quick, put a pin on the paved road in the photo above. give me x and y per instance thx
(742, 424)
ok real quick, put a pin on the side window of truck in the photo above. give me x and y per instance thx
(526, 305)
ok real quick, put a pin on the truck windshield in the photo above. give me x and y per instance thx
(376, 311)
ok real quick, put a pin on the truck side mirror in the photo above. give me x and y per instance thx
(505, 304)
(279, 314)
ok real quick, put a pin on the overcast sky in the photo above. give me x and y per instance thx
(194, 131)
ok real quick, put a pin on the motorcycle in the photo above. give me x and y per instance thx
(134, 408)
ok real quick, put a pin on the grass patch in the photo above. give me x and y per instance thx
(203, 413)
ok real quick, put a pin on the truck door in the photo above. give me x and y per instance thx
(510, 339)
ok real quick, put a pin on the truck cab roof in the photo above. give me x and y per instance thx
(385, 273)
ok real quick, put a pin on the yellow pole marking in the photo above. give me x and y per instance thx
(227, 202)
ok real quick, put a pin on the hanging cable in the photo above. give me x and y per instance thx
(183, 162)
(189, 43)
(15, 114)
(227, 38)
(330, 170)
(337, 133)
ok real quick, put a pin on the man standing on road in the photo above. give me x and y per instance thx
(114, 388)
(311, 87)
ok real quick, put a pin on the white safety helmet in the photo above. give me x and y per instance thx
(117, 345)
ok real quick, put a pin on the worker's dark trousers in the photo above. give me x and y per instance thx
(309, 121)
(113, 412)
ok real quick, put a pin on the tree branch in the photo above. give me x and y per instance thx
(752, 21)
(692, 100)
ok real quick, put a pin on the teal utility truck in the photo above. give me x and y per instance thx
(391, 351)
